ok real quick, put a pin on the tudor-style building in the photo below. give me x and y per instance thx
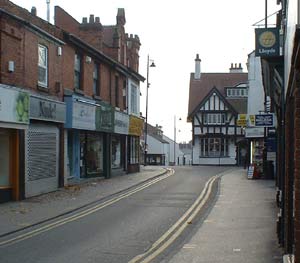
(215, 100)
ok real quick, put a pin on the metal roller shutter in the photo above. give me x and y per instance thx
(42, 159)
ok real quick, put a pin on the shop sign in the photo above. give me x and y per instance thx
(253, 132)
(266, 42)
(83, 116)
(47, 110)
(242, 120)
(14, 106)
(135, 126)
(104, 120)
(264, 120)
(121, 123)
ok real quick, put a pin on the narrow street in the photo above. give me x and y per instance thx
(116, 232)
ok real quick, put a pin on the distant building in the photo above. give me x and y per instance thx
(215, 100)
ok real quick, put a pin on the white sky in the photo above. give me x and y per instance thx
(172, 32)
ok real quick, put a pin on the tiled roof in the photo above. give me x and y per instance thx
(199, 88)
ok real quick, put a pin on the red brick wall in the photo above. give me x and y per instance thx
(20, 45)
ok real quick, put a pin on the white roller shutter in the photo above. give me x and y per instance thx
(42, 159)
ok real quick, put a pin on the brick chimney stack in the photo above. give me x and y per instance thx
(197, 74)
(236, 68)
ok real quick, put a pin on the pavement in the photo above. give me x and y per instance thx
(241, 227)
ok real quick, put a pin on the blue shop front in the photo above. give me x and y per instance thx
(89, 126)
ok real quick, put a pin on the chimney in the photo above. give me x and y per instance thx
(91, 19)
(97, 20)
(33, 10)
(197, 74)
(84, 20)
(121, 20)
(48, 10)
(236, 69)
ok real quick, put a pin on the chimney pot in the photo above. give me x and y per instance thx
(91, 19)
(84, 20)
(33, 10)
(97, 19)
(240, 65)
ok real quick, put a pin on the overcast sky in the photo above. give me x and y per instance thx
(172, 33)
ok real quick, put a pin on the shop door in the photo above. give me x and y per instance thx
(5, 180)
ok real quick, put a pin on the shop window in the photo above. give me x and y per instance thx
(77, 71)
(116, 152)
(134, 150)
(43, 66)
(94, 154)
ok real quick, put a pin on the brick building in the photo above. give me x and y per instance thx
(76, 100)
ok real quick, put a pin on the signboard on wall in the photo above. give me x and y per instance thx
(264, 120)
(14, 106)
(267, 42)
(47, 110)
(135, 126)
(83, 116)
(121, 123)
(104, 117)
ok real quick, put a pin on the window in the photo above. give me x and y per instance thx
(213, 147)
(134, 99)
(77, 71)
(43, 66)
(237, 92)
(214, 118)
(134, 150)
(96, 81)
(116, 91)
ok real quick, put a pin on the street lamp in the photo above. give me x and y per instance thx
(175, 139)
(146, 127)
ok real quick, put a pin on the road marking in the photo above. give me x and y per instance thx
(85, 212)
(169, 237)
(189, 246)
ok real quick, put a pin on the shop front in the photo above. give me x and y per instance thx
(135, 132)
(44, 142)
(104, 123)
(84, 145)
(14, 120)
(119, 142)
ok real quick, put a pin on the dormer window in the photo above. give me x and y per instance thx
(237, 92)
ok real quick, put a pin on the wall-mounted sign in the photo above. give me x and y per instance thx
(135, 126)
(264, 120)
(253, 132)
(47, 110)
(104, 120)
(121, 122)
(242, 120)
(14, 105)
(266, 42)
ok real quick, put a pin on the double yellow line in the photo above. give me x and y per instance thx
(85, 212)
(169, 237)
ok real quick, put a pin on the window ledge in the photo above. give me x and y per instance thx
(42, 88)
(96, 97)
(79, 91)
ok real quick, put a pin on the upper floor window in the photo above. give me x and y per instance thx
(96, 80)
(77, 71)
(237, 92)
(214, 118)
(116, 91)
(43, 66)
(134, 99)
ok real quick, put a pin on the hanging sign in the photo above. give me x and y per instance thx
(266, 42)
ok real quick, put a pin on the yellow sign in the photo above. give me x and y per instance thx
(136, 126)
(242, 123)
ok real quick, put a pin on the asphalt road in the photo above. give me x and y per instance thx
(120, 231)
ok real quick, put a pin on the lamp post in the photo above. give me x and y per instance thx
(146, 126)
(175, 139)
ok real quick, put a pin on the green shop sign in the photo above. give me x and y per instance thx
(14, 105)
(104, 117)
